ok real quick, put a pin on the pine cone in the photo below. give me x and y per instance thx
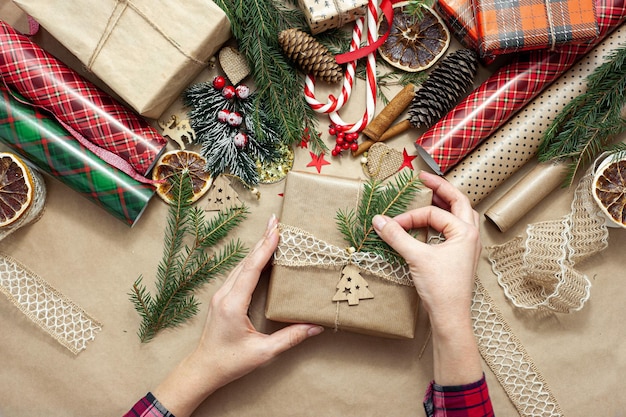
(443, 88)
(311, 56)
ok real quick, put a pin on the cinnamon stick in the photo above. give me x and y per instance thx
(386, 117)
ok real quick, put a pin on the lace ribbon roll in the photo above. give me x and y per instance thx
(517, 141)
(49, 309)
(93, 117)
(44, 142)
(538, 272)
(504, 93)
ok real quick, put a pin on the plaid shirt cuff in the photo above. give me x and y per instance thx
(148, 406)
(471, 400)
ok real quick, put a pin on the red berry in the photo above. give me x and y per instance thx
(228, 92)
(354, 146)
(345, 145)
(335, 152)
(339, 141)
(332, 131)
(339, 128)
(219, 82)
(352, 136)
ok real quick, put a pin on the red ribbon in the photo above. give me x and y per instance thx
(386, 6)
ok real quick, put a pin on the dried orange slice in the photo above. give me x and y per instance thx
(181, 162)
(609, 189)
(413, 44)
(16, 188)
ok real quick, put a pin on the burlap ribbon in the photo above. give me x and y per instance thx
(538, 272)
(300, 248)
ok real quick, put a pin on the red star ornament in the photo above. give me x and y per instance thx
(317, 161)
(408, 160)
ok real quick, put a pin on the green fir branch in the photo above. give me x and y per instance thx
(255, 26)
(387, 199)
(184, 268)
(584, 128)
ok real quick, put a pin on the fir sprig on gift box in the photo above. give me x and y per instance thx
(388, 199)
(185, 267)
(588, 123)
(233, 129)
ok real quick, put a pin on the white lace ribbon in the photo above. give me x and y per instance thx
(300, 248)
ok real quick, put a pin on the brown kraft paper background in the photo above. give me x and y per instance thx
(93, 259)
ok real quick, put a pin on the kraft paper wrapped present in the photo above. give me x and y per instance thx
(306, 293)
(324, 15)
(146, 51)
(506, 26)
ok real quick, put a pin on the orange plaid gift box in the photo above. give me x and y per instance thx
(459, 17)
(506, 26)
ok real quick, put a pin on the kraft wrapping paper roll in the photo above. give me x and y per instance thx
(504, 93)
(45, 143)
(517, 142)
(542, 180)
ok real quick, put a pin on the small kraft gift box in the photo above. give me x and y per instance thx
(322, 15)
(313, 279)
(146, 51)
(506, 26)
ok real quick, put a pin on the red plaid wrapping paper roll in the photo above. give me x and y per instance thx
(506, 26)
(112, 131)
(505, 92)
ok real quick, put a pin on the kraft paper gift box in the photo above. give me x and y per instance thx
(305, 293)
(506, 26)
(146, 51)
(329, 14)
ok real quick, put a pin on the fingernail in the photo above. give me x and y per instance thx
(315, 330)
(379, 222)
(271, 223)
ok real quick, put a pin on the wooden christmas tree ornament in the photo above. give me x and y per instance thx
(222, 195)
(352, 287)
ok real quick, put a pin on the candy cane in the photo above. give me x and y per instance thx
(335, 104)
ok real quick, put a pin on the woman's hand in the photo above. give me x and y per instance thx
(230, 346)
(443, 274)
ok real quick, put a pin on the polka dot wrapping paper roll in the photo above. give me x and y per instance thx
(517, 141)
(504, 93)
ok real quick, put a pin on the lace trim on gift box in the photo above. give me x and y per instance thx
(538, 273)
(66, 322)
(300, 248)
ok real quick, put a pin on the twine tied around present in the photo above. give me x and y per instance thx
(299, 248)
(120, 7)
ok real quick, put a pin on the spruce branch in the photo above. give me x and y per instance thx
(255, 26)
(388, 199)
(585, 127)
(184, 268)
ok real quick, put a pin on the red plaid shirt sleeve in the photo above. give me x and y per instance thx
(148, 406)
(470, 400)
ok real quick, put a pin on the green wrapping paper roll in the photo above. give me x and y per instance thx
(44, 142)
